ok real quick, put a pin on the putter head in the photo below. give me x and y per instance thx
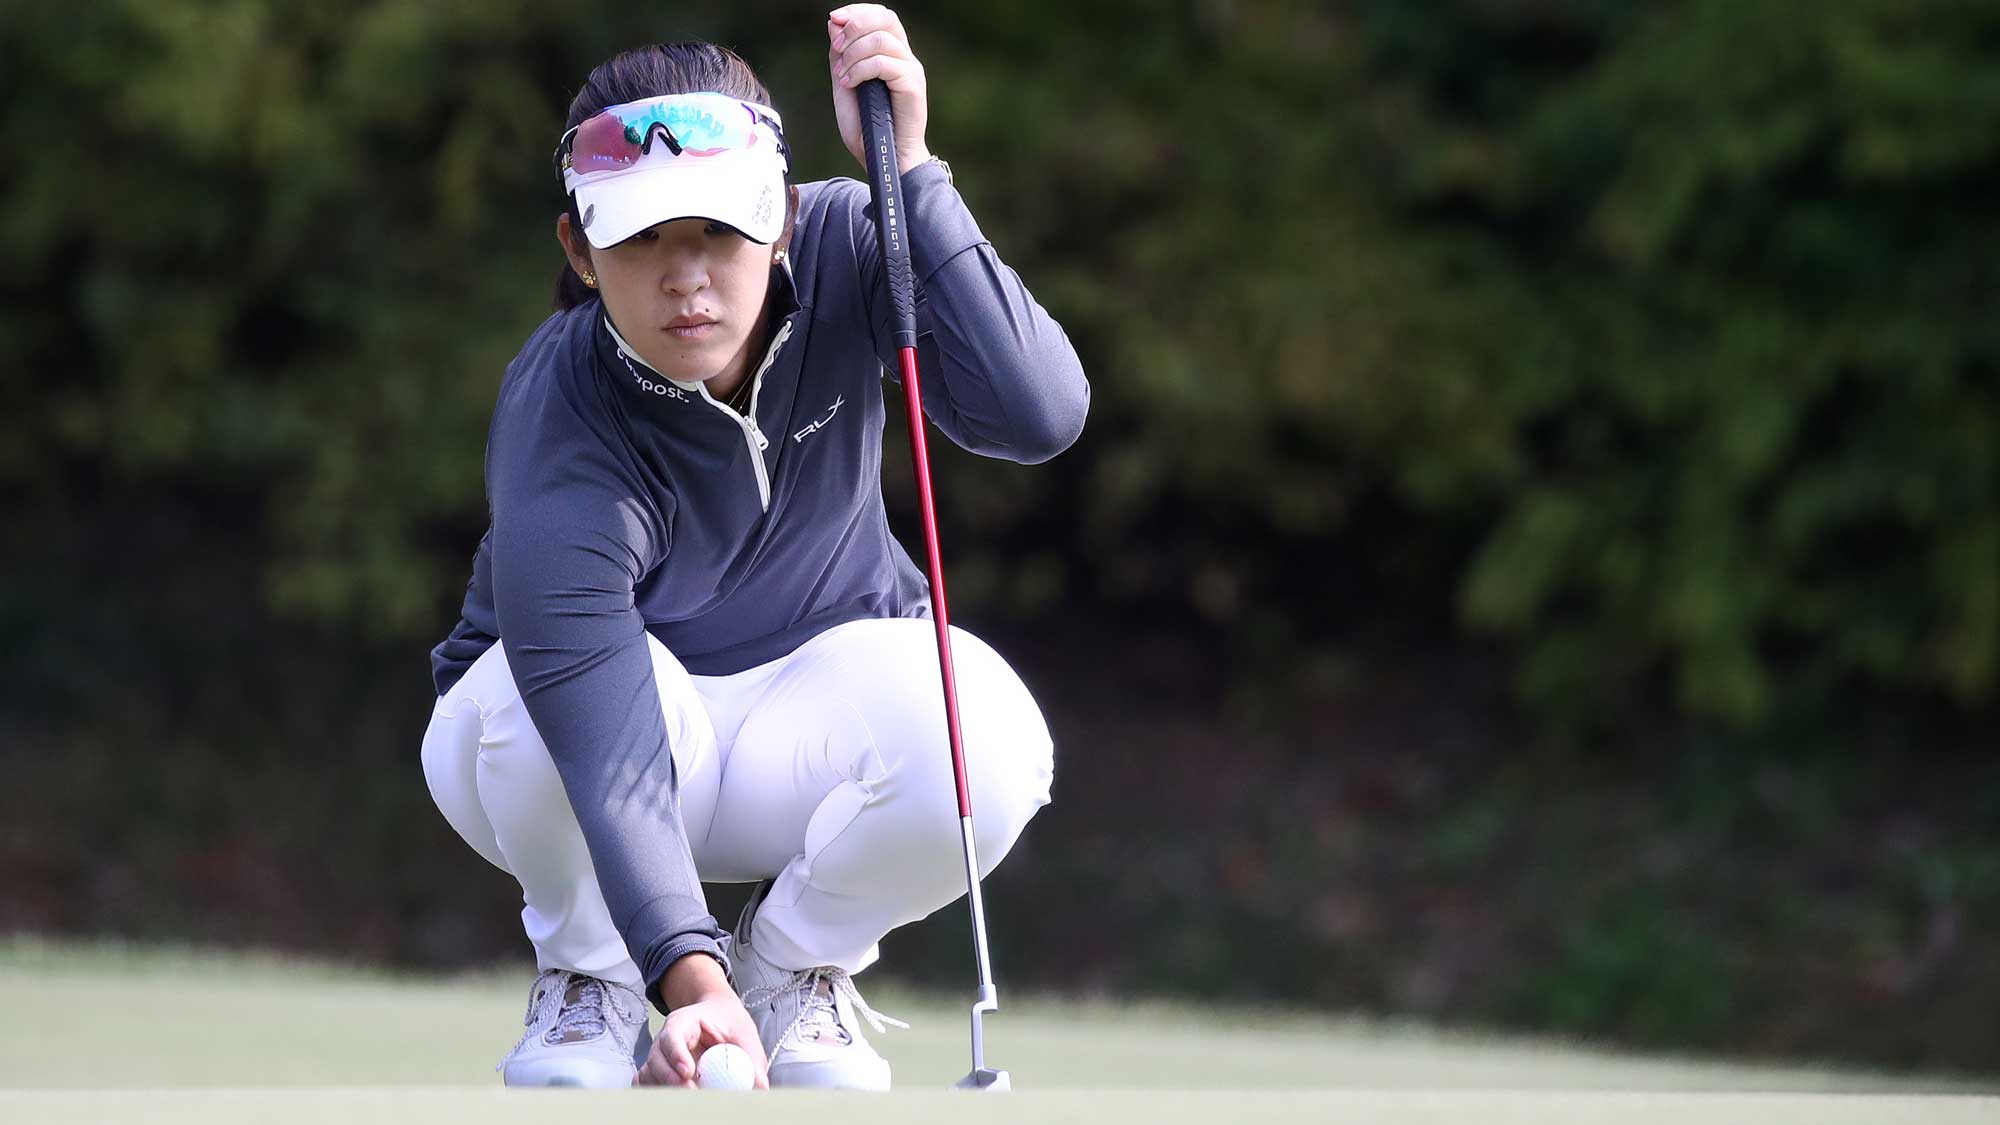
(987, 1079)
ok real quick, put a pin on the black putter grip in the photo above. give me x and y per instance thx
(885, 186)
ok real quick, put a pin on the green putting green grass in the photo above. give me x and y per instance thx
(106, 1032)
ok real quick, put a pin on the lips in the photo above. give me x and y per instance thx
(689, 327)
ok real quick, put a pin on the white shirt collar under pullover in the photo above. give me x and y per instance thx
(678, 390)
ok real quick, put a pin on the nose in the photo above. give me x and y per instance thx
(685, 276)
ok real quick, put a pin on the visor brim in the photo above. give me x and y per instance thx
(747, 194)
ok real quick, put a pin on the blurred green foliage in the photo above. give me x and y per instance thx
(1652, 348)
(1664, 335)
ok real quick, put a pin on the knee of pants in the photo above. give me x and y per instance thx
(1009, 755)
(450, 760)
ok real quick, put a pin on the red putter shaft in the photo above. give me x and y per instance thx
(913, 405)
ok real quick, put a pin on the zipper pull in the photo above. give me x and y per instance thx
(763, 442)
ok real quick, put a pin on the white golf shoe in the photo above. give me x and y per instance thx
(581, 1031)
(808, 1019)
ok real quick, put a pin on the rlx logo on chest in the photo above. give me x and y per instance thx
(821, 424)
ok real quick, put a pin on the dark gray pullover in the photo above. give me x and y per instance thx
(624, 503)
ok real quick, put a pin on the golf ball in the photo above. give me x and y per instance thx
(724, 1066)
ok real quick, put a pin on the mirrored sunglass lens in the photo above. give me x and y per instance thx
(619, 136)
(601, 145)
(702, 128)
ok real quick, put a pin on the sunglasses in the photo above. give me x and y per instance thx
(669, 127)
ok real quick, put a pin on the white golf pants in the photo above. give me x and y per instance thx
(827, 770)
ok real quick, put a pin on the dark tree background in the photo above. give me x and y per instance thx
(1534, 559)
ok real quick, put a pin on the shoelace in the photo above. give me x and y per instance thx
(590, 1013)
(586, 1015)
(814, 1008)
(535, 993)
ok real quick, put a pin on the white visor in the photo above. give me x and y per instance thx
(684, 156)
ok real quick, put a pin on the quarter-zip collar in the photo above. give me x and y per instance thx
(650, 381)
(747, 420)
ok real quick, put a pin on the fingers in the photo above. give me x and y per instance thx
(744, 1035)
(898, 74)
(859, 19)
(861, 32)
(671, 1050)
(855, 49)
(870, 48)
(658, 1069)
(719, 1030)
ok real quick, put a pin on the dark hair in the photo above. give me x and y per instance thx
(648, 72)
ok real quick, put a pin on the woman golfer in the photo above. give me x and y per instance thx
(690, 648)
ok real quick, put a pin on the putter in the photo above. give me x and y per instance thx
(885, 185)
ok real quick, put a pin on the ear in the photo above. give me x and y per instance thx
(574, 245)
(791, 217)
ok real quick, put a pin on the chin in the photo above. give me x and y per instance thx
(682, 368)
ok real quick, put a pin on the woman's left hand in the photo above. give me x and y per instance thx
(867, 41)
